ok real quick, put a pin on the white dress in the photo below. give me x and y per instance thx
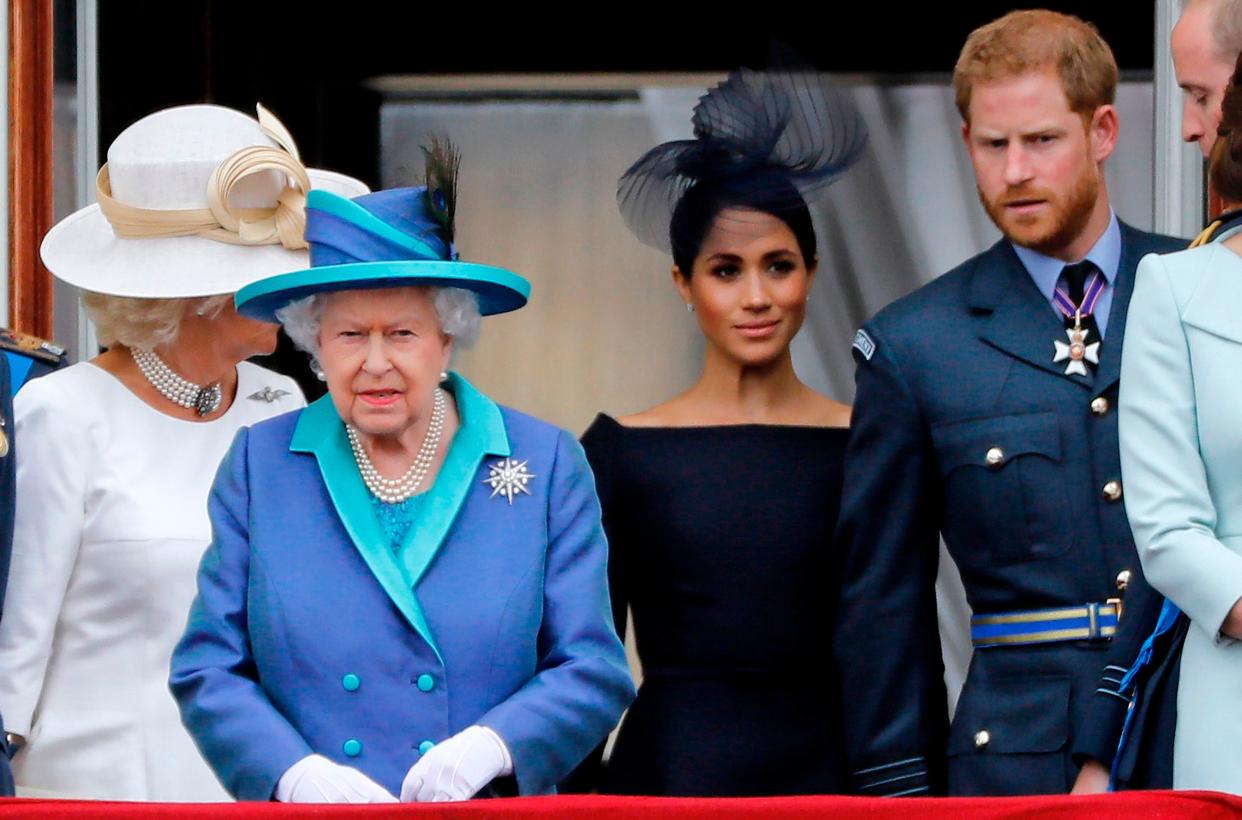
(110, 525)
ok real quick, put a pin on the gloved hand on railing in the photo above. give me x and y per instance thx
(458, 767)
(315, 779)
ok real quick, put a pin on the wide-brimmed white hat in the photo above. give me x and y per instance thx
(196, 200)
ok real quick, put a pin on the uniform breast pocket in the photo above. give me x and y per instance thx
(1005, 500)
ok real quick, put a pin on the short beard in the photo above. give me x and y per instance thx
(1070, 216)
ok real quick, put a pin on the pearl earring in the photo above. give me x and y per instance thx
(443, 375)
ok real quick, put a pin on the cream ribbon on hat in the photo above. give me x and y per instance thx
(283, 224)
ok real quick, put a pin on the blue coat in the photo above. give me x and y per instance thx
(1146, 759)
(959, 368)
(310, 635)
(28, 357)
(1180, 443)
(7, 496)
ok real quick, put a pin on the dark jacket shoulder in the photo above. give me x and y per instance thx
(1145, 242)
(32, 347)
(906, 321)
(29, 357)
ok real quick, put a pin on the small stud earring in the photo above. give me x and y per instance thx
(443, 375)
(689, 308)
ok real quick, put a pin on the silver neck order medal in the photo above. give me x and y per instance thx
(204, 399)
(1079, 350)
(396, 490)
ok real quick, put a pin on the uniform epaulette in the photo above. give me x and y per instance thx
(39, 349)
(1224, 222)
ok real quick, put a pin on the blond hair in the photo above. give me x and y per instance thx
(143, 324)
(1026, 41)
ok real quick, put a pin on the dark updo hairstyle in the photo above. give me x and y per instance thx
(1226, 166)
(765, 141)
(771, 193)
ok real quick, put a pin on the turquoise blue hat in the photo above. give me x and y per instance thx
(388, 239)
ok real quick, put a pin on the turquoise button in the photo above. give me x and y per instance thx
(426, 683)
(352, 748)
(351, 682)
(425, 747)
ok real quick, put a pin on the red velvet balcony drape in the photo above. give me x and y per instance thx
(1165, 805)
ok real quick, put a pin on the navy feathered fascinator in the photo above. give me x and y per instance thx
(787, 130)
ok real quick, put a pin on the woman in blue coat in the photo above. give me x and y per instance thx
(1180, 448)
(405, 594)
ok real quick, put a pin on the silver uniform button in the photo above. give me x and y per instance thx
(1099, 406)
(1112, 491)
(982, 738)
(1123, 580)
(995, 457)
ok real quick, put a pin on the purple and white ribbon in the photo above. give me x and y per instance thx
(1090, 296)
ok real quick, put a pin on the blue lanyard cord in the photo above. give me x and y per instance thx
(1169, 614)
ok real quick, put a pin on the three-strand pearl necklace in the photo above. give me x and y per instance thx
(205, 399)
(396, 490)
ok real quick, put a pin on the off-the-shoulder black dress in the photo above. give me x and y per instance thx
(720, 542)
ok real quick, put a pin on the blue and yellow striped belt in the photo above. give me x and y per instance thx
(1089, 622)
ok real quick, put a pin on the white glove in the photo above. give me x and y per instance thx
(457, 768)
(315, 779)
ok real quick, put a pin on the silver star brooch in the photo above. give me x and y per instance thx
(268, 395)
(508, 478)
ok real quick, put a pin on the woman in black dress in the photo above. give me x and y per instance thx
(720, 503)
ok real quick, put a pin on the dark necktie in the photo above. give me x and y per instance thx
(1074, 279)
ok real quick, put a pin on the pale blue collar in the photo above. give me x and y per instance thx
(480, 421)
(481, 432)
(1045, 270)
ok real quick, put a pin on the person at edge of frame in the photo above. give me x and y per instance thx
(985, 411)
(22, 358)
(1205, 45)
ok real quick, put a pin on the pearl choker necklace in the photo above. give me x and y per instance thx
(396, 490)
(179, 391)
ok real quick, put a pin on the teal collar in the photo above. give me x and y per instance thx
(481, 432)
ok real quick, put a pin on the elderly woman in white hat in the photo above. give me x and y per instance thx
(405, 596)
(119, 452)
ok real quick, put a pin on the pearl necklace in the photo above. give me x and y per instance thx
(396, 490)
(182, 392)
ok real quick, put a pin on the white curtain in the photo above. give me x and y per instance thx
(604, 330)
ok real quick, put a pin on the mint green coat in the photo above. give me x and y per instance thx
(1181, 459)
